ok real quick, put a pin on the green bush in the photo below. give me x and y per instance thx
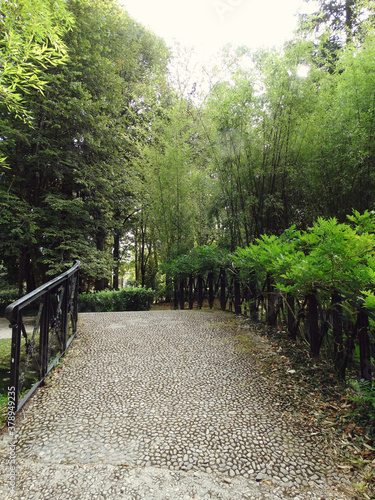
(127, 299)
(7, 297)
(365, 402)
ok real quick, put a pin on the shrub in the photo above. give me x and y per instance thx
(127, 299)
(6, 298)
(365, 402)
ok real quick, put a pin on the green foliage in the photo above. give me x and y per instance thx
(335, 257)
(127, 299)
(31, 36)
(68, 188)
(119, 163)
(7, 296)
(365, 402)
(329, 257)
(198, 262)
(270, 256)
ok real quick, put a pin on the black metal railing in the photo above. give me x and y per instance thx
(43, 322)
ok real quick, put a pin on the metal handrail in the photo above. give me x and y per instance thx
(38, 292)
(58, 310)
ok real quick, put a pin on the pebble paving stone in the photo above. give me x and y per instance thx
(162, 405)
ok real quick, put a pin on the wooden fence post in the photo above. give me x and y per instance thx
(364, 346)
(237, 296)
(291, 316)
(338, 339)
(314, 325)
(200, 292)
(223, 300)
(211, 289)
(253, 297)
(191, 294)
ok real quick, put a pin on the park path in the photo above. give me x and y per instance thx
(163, 405)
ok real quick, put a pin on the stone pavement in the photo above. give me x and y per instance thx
(162, 405)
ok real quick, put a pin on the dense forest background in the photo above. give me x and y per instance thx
(109, 157)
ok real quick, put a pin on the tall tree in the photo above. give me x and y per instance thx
(70, 171)
(336, 23)
(259, 129)
(31, 39)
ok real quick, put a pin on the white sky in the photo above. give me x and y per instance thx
(210, 24)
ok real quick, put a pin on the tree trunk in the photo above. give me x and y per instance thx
(182, 294)
(21, 271)
(101, 283)
(271, 303)
(30, 280)
(168, 288)
(349, 15)
(116, 258)
(39, 270)
(175, 295)
(200, 292)
(191, 293)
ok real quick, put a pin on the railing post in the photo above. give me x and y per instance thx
(44, 334)
(75, 299)
(64, 313)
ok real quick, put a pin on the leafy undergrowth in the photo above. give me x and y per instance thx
(310, 392)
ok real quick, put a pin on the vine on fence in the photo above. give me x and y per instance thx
(320, 283)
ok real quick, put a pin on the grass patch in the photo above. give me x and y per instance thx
(5, 348)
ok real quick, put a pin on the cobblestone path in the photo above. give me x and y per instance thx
(162, 405)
